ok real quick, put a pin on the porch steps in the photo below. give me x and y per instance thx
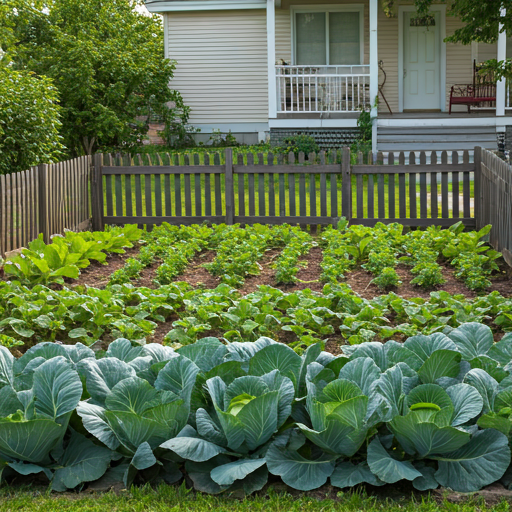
(456, 138)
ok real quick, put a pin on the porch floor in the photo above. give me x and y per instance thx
(442, 115)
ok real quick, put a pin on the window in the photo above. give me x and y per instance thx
(328, 37)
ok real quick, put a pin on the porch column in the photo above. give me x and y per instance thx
(502, 55)
(271, 56)
(374, 68)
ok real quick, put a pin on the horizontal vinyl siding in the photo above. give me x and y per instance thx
(388, 52)
(486, 51)
(221, 68)
(459, 66)
(283, 36)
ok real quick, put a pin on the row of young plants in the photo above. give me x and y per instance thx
(379, 249)
(239, 251)
(43, 263)
(435, 410)
(29, 315)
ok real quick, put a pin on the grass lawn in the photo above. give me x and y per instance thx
(171, 499)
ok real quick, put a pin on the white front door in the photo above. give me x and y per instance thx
(422, 62)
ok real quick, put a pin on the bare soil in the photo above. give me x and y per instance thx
(308, 276)
(97, 275)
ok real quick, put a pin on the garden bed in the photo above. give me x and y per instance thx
(143, 322)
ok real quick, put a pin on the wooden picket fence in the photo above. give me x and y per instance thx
(495, 198)
(45, 199)
(414, 189)
(272, 189)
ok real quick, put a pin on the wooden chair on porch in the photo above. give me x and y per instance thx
(481, 93)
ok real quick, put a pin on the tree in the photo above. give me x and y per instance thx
(106, 60)
(29, 121)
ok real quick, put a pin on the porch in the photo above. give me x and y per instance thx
(375, 61)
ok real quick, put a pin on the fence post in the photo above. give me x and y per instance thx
(346, 185)
(478, 187)
(97, 193)
(229, 191)
(42, 173)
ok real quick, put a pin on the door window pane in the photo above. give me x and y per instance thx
(310, 34)
(344, 42)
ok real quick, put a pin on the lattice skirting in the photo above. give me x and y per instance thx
(325, 138)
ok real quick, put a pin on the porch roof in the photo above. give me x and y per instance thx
(160, 6)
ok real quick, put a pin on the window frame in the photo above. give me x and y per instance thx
(327, 8)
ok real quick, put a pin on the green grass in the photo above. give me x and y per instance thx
(171, 499)
(120, 196)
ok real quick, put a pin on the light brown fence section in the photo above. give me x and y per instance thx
(46, 199)
(495, 200)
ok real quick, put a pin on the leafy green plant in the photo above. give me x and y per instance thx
(300, 143)
(434, 410)
(29, 120)
(428, 275)
(387, 278)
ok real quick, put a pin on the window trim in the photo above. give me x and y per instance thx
(326, 8)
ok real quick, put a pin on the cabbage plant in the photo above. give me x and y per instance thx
(38, 394)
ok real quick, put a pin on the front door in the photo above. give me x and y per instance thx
(422, 62)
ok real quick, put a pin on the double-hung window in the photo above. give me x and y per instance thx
(328, 36)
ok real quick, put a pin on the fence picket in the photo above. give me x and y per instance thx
(261, 187)
(444, 188)
(412, 188)
(423, 187)
(218, 187)
(251, 192)
(271, 189)
(197, 189)
(455, 187)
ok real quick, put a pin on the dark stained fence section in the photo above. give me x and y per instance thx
(46, 199)
(405, 188)
(494, 200)
(415, 189)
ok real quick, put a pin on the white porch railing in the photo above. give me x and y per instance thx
(322, 88)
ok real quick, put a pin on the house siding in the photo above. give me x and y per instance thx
(459, 64)
(221, 68)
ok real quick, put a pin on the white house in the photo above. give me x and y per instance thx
(282, 66)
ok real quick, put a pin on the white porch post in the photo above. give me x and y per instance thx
(502, 55)
(271, 56)
(374, 67)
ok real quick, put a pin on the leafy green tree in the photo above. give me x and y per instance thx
(106, 60)
(29, 120)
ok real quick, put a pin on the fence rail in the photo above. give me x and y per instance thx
(316, 190)
(46, 199)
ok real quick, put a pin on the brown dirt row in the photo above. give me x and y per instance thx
(308, 276)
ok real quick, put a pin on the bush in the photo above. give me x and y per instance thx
(29, 121)
(299, 143)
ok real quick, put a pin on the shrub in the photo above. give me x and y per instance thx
(299, 143)
(29, 121)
